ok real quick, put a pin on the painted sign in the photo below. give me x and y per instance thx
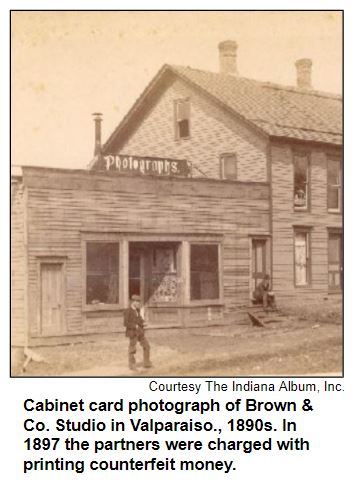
(153, 166)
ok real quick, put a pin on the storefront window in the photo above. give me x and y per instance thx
(102, 262)
(204, 272)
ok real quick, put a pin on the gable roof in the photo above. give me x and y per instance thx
(274, 110)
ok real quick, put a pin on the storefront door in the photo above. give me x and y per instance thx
(153, 275)
(136, 274)
(52, 298)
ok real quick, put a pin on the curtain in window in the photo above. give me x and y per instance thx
(301, 258)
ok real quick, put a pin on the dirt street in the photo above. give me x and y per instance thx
(288, 348)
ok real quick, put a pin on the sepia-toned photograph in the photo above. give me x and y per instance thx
(176, 193)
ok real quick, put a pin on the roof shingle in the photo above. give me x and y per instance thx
(276, 110)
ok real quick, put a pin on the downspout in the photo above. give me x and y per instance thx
(269, 180)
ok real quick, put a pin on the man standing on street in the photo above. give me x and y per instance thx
(134, 324)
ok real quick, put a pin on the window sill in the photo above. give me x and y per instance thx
(191, 304)
(215, 302)
(332, 290)
(334, 211)
(101, 307)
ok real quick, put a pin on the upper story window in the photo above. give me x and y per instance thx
(229, 166)
(182, 118)
(301, 181)
(334, 185)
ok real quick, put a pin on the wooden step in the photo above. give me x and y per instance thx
(260, 318)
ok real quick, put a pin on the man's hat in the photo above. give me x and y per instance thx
(267, 276)
(135, 298)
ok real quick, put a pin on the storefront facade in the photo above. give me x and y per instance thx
(91, 240)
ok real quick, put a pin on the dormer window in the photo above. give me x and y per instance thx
(182, 118)
(229, 166)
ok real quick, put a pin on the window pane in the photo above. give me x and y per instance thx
(301, 265)
(164, 280)
(102, 273)
(229, 167)
(134, 266)
(183, 110)
(300, 181)
(333, 198)
(333, 249)
(334, 183)
(334, 260)
(334, 174)
(164, 260)
(183, 128)
(182, 115)
(204, 272)
(258, 260)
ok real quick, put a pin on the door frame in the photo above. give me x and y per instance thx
(58, 260)
(268, 261)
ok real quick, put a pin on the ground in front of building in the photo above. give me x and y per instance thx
(308, 341)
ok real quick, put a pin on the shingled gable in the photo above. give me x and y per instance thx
(272, 110)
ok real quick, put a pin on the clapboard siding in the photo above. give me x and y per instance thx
(284, 218)
(17, 265)
(59, 214)
(213, 132)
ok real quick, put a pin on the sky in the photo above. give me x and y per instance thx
(67, 65)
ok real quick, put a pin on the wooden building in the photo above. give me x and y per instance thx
(208, 183)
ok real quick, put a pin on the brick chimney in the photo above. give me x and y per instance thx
(97, 134)
(304, 74)
(227, 57)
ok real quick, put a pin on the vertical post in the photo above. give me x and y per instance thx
(124, 272)
(221, 271)
(185, 272)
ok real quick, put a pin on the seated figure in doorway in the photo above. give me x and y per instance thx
(300, 198)
(264, 295)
